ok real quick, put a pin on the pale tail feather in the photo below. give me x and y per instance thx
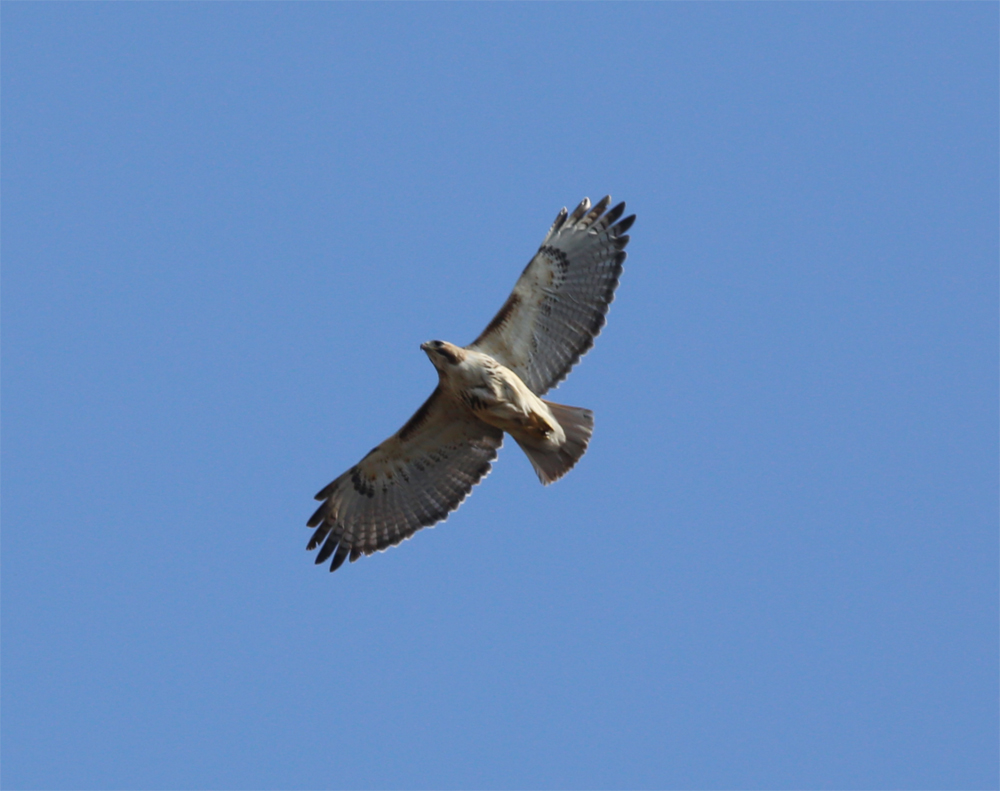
(578, 424)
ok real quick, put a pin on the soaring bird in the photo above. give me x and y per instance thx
(494, 385)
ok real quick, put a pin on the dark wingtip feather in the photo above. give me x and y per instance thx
(321, 533)
(324, 493)
(338, 559)
(328, 547)
(613, 215)
(317, 517)
(624, 225)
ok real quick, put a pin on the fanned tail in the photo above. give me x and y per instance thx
(578, 425)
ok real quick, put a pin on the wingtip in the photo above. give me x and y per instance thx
(596, 212)
(579, 211)
(317, 518)
(621, 227)
(338, 559)
(557, 224)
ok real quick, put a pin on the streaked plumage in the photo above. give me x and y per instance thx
(424, 471)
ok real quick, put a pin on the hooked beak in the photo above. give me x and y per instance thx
(425, 346)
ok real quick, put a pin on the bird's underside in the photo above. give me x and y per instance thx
(494, 385)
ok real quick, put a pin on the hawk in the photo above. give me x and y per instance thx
(494, 385)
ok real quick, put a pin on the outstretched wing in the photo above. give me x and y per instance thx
(415, 478)
(558, 305)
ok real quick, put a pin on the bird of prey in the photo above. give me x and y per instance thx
(494, 385)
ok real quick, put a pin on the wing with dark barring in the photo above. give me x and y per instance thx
(414, 479)
(559, 303)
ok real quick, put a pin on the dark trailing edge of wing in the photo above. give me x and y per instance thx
(337, 540)
(329, 533)
(332, 538)
(620, 239)
(600, 318)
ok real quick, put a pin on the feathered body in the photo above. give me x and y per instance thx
(492, 386)
(497, 396)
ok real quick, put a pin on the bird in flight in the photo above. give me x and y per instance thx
(494, 385)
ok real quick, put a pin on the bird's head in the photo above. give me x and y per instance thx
(443, 354)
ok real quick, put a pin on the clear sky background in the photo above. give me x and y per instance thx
(228, 227)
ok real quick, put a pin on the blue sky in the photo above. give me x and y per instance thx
(227, 228)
